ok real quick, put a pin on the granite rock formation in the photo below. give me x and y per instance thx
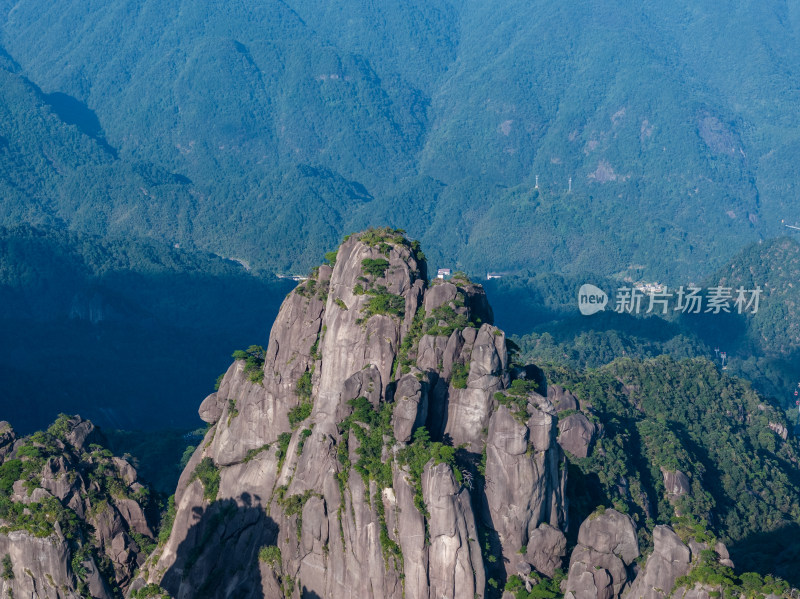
(376, 448)
(73, 518)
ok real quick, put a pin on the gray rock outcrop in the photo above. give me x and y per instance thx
(324, 494)
(576, 434)
(676, 483)
(562, 399)
(670, 560)
(607, 546)
(83, 528)
(523, 489)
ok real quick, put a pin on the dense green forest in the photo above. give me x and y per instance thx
(666, 414)
(277, 128)
(541, 311)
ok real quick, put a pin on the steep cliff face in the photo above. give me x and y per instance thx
(380, 447)
(73, 521)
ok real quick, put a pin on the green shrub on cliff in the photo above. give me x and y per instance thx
(208, 474)
(253, 358)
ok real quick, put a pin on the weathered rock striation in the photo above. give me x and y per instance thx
(380, 447)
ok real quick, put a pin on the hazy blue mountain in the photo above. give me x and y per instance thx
(676, 123)
(763, 347)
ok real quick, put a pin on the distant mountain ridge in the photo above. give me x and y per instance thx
(438, 117)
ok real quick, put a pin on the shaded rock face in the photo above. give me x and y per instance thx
(607, 546)
(670, 560)
(329, 487)
(98, 521)
(576, 434)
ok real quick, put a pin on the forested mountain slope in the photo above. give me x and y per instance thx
(678, 135)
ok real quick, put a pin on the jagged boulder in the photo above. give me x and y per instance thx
(546, 548)
(598, 567)
(211, 409)
(670, 559)
(83, 527)
(410, 407)
(576, 434)
(562, 399)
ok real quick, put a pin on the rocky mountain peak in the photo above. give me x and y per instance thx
(385, 445)
(377, 447)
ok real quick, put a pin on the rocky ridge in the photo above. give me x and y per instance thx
(383, 445)
(73, 518)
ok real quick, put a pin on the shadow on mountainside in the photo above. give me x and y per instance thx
(219, 556)
(776, 552)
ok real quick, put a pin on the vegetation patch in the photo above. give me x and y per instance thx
(208, 474)
(150, 591)
(293, 506)
(299, 413)
(374, 267)
(381, 301)
(384, 235)
(232, 411)
(253, 358)
(307, 288)
(460, 376)
(271, 554)
(8, 568)
(544, 588)
(302, 389)
(283, 447)
(405, 354)
(391, 551)
(444, 319)
(302, 440)
(417, 454)
(167, 520)
(250, 455)
(315, 355)
(369, 426)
